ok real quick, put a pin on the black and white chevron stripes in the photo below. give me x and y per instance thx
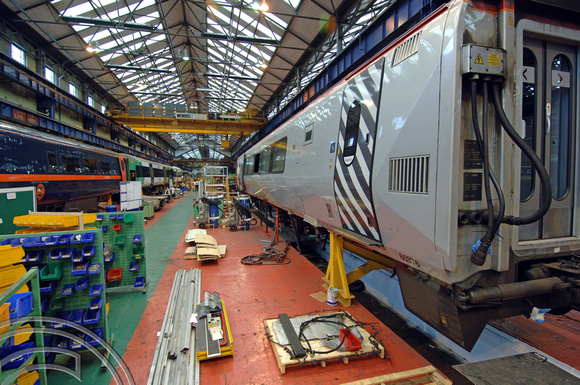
(352, 179)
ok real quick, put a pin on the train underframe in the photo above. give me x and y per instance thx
(459, 311)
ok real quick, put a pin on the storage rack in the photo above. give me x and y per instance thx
(32, 277)
(124, 238)
(72, 279)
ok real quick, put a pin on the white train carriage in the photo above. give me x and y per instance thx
(390, 158)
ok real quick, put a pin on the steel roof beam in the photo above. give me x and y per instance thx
(108, 23)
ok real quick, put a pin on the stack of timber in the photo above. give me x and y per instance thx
(203, 247)
(175, 360)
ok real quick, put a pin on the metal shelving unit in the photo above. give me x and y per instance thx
(10, 376)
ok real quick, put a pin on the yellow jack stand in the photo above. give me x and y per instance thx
(335, 273)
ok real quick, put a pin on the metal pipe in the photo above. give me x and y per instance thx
(515, 290)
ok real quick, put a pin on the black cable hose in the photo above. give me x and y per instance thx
(208, 201)
(322, 319)
(546, 187)
(270, 256)
(245, 211)
(479, 255)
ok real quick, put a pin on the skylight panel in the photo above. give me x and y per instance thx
(276, 20)
(293, 3)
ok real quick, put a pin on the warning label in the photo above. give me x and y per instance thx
(478, 59)
(493, 60)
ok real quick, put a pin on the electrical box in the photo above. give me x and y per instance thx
(477, 59)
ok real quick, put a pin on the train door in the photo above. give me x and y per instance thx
(356, 143)
(549, 97)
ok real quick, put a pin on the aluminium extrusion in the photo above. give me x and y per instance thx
(175, 358)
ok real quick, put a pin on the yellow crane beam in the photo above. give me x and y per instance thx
(160, 124)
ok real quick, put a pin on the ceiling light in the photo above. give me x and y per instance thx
(92, 47)
(182, 52)
(260, 6)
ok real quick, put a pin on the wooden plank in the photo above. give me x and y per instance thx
(425, 375)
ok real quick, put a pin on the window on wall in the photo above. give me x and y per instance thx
(103, 108)
(18, 54)
(279, 156)
(50, 75)
(73, 90)
(90, 101)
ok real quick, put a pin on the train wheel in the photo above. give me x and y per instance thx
(234, 228)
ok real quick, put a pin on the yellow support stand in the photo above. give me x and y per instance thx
(335, 273)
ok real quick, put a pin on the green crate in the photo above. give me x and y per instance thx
(51, 272)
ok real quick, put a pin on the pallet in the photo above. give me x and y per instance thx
(427, 375)
(285, 360)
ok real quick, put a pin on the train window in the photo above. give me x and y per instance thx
(279, 156)
(265, 160)
(249, 169)
(139, 171)
(529, 98)
(309, 134)
(560, 132)
(158, 173)
(90, 166)
(145, 171)
(71, 163)
(352, 130)
(105, 168)
(256, 163)
(52, 162)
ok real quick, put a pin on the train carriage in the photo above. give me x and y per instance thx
(67, 176)
(453, 153)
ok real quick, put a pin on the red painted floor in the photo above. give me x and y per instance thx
(252, 294)
(558, 336)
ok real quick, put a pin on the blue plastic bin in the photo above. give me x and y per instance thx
(80, 344)
(94, 269)
(91, 340)
(134, 266)
(96, 290)
(63, 316)
(88, 237)
(47, 286)
(89, 251)
(63, 239)
(109, 257)
(79, 268)
(20, 305)
(96, 303)
(91, 317)
(139, 281)
(17, 355)
(76, 316)
(68, 290)
(55, 254)
(111, 209)
(82, 283)
(69, 254)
